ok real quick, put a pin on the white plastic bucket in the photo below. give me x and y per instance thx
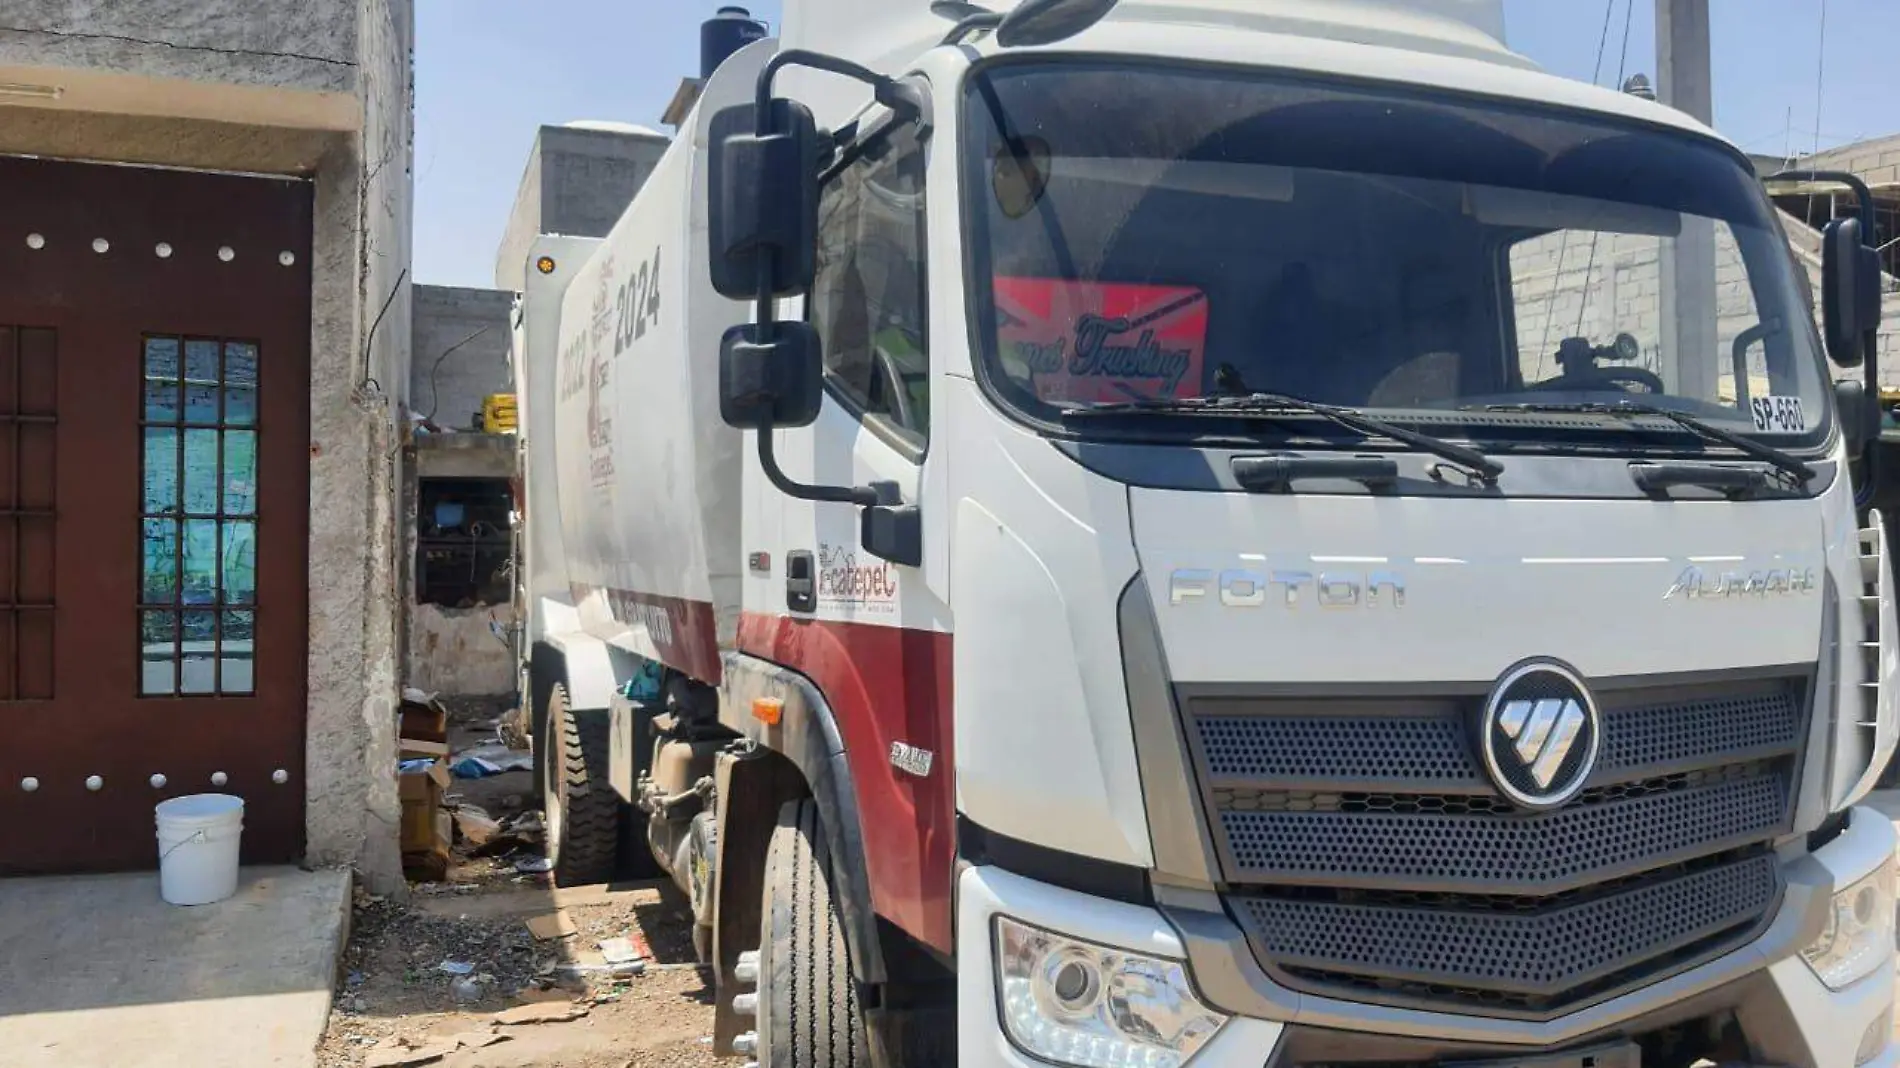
(198, 847)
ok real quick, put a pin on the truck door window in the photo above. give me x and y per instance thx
(868, 301)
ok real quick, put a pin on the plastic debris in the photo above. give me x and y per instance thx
(456, 967)
(534, 865)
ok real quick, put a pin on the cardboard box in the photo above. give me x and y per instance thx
(421, 794)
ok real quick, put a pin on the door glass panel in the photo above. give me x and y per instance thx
(161, 471)
(240, 472)
(158, 658)
(158, 561)
(239, 555)
(161, 379)
(197, 646)
(201, 472)
(198, 520)
(234, 652)
(240, 384)
(201, 381)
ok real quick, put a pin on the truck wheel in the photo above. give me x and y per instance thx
(807, 1001)
(583, 815)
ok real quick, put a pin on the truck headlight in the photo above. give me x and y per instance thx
(1859, 935)
(1077, 1003)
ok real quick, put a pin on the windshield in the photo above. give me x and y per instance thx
(1155, 233)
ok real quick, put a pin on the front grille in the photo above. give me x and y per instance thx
(1368, 856)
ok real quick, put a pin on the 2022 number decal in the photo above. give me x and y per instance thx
(637, 304)
(1778, 415)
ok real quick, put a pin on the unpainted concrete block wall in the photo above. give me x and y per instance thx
(578, 182)
(461, 340)
(1877, 162)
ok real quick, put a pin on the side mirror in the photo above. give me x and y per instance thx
(762, 186)
(763, 384)
(1850, 291)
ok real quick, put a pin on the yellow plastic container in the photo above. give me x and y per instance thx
(498, 413)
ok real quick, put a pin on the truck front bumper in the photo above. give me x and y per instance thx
(1786, 1014)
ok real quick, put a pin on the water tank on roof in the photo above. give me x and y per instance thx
(725, 33)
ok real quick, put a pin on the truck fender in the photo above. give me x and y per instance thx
(588, 668)
(806, 735)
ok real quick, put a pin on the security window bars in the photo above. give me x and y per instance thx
(198, 564)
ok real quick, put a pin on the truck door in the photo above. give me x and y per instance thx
(871, 634)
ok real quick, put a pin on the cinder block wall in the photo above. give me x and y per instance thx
(461, 339)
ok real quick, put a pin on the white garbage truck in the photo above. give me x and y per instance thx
(1217, 532)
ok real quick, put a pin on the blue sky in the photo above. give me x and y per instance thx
(488, 72)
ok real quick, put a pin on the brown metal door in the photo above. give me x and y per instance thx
(154, 504)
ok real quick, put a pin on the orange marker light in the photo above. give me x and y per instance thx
(768, 710)
(545, 265)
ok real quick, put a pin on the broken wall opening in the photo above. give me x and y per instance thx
(464, 542)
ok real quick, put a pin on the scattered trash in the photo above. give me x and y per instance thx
(476, 825)
(621, 958)
(550, 926)
(544, 1012)
(355, 979)
(468, 989)
(474, 768)
(456, 967)
(514, 728)
(534, 865)
(496, 757)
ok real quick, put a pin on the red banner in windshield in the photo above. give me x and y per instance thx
(1094, 342)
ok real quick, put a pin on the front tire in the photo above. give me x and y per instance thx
(583, 815)
(808, 1003)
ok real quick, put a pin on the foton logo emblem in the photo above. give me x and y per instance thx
(1694, 582)
(1244, 588)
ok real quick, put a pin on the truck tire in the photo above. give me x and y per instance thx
(583, 815)
(807, 1003)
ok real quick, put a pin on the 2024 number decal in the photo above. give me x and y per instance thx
(637, 304)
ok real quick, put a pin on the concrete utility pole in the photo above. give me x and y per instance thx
(1690, 361)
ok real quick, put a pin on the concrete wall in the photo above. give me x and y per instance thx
(1877, 162)
(275, 62)
(578, 181)
(461, 339)
(357, 394)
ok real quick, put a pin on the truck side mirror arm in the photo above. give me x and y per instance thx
(1850, 301)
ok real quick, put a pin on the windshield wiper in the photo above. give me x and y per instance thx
(1707, 431)
(1270, 404)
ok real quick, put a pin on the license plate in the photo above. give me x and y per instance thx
(1618, 1055)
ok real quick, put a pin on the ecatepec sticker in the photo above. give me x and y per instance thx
(1778, 415)
(1095, 342)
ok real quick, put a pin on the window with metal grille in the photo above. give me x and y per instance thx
(29, 375)
(198, 559)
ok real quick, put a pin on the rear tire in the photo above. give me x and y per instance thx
(583, 815)
(808, 1003)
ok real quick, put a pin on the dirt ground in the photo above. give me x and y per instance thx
(400, 999)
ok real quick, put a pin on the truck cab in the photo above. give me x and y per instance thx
(1238, 533)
